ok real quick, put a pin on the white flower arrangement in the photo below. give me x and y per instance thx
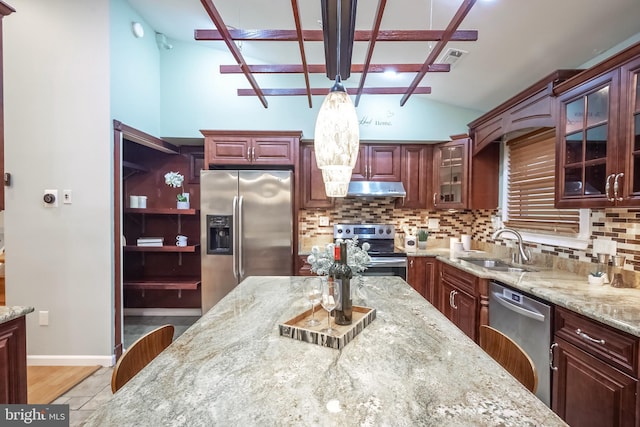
(176, 180)
(357, 257)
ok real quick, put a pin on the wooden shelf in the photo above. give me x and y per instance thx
(162, 211)
(164, 283)
(165, 248)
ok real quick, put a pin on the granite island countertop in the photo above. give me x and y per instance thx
(411, 366)
(8, 313)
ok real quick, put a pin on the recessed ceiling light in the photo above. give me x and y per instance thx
(390, 74)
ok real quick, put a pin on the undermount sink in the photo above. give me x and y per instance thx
(494, 264)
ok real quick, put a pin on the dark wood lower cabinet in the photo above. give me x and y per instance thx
(13, 361)
(588, 392)
(421, 275)
(459, 307)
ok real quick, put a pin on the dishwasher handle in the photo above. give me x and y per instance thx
(516, 308)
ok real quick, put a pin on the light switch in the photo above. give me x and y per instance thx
(323, 221)
(66, 197)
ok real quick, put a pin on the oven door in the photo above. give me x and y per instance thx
(387, 266)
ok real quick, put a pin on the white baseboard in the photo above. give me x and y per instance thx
(162, 312)
(70, 360)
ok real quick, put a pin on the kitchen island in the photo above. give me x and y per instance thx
(13, 354)
(410, 366)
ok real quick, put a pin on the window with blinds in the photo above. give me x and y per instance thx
(531, 187)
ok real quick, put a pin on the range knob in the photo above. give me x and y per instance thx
(339, 230)
(389, 230)
(348, 231)
(380, 231)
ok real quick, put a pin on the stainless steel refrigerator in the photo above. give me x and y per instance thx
(246, 228)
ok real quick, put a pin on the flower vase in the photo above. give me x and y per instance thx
(185, 204)
(422, 244)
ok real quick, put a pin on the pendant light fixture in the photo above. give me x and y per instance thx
(337, 134)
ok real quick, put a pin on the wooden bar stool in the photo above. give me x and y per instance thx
(141, 352)
(510, 355)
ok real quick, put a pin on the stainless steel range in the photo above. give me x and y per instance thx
(385, 259)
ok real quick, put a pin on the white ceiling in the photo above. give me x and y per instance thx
(519, 41)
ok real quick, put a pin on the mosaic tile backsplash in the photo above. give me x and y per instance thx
(618, 224)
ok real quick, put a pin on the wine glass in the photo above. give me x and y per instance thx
(330, 300)
(313, 292)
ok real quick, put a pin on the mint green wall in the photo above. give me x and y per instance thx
(135, 71)
(196, 96)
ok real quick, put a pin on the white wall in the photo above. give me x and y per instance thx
(58, 135)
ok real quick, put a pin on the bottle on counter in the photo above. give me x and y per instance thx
(332, 270)
(342, 275)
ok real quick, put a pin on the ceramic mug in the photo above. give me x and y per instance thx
(142, 202)
(134, 201)
(181, 240)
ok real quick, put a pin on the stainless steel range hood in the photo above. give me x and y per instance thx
(376, 189)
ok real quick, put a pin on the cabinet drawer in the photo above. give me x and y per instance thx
(608, 344)
(463, 280)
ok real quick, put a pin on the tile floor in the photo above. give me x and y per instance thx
(95, 390)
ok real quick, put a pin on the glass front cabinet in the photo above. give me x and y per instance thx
(451, 161)
(599, 141)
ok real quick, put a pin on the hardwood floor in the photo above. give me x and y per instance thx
(46, 383)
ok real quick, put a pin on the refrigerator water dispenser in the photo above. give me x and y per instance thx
(220, 234)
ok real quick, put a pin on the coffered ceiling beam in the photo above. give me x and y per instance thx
(303, 56)
(321, 68)
(324, 91)
(462, 12)
(219, 23)
(372, 43)
(316, 35)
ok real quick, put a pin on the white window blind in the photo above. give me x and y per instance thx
(531, 185)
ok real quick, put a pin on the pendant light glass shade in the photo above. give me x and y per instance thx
(337, 140)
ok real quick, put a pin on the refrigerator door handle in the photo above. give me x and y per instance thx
(234, 249)
(239, 237)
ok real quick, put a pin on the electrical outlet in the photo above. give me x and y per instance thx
(43, 318)
(66, 197)
(323, 221)
(50, 198)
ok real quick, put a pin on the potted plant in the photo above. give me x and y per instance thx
(423, 235)
(175, 180)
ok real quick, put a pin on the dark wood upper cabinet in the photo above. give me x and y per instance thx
(312, 192)
(450, 174)
(5, 10)
(415, 165)
(377, 162)
(464, 182)
(255, 148)
(531, 109)
(598, 137)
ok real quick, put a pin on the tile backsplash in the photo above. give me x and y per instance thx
(621, 225)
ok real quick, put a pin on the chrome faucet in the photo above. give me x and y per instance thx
(525, 254)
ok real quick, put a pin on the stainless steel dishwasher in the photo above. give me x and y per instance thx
(527, 321)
